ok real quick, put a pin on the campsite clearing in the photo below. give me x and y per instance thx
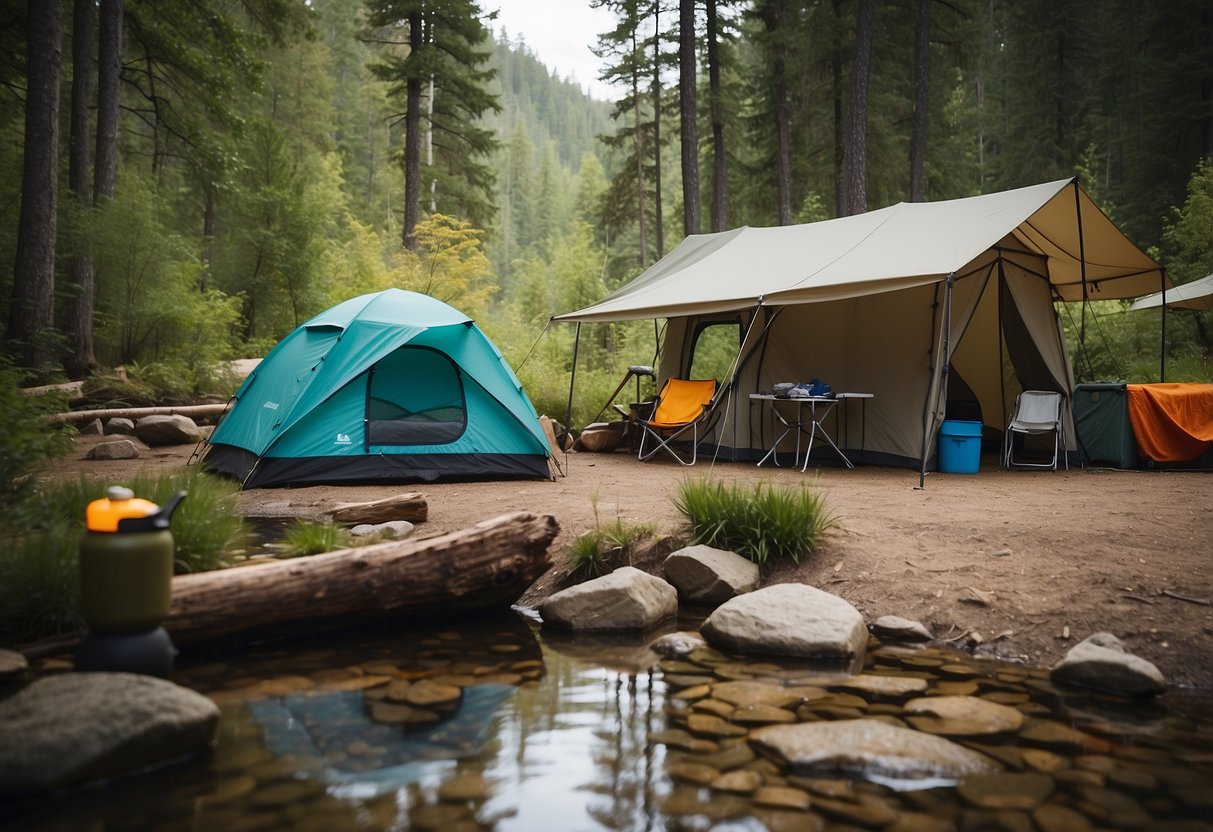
(1014, 556)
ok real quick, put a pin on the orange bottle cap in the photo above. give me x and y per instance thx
(103, 515)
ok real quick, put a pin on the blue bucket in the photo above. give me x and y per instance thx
(959, 447)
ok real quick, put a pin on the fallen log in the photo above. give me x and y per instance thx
(484, 566)
(79, 417)
(410, 506)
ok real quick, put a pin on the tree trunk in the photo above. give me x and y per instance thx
(208, 237)
(658, 219)
(918, 128)
(857, 124)
(720, 170)
(840, 185)
(31, 315)
(638, 140)
(688, 116)
(109, 79)
(412, 143)
(775, 19)
(487, 565)
(82, 289)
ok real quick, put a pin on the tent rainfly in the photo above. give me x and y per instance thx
(938, 308)
(392, 386)
(1198, 294)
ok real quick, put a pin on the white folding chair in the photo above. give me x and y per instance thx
(1037, 412)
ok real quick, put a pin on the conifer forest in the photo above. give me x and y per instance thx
(183, 182)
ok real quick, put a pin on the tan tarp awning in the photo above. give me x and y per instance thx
(899, 247)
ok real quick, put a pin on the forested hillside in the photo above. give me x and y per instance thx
(185, 182)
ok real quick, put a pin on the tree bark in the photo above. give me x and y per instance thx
(638, 143)
(775, 19)
(487, 565)
(109, 79)
(82, 288)
(658, 219)
(840, 185)
(857, 124)
(689, 133)
(720, 170)
(31, 315)
(918, 128)
(412, 142)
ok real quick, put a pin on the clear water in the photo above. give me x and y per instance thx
(563, 732)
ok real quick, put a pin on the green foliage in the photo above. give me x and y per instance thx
(305, 537)
(27, 445)
(760, 521)
(605, 548)
(449, 264)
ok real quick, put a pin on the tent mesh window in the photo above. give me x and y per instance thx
(415, 397)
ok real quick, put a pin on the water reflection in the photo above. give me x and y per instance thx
(494, 725)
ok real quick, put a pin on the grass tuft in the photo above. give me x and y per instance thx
(605, 547)
(759, 521)
(307, 537)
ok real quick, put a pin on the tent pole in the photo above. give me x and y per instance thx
(1162, 347)
(1082, 265)
(568, 412)
(941, 389)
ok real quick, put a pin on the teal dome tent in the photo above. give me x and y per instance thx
(392, 386)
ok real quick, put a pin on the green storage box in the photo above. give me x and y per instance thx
(1101, 420)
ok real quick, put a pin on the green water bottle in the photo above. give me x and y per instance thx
(126, 563)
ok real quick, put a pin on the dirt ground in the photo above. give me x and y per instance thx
(1015, 564)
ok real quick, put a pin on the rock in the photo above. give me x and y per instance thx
(464, 787)
(788, 620)
(894, 628)
(781, 797)
(1101, 662)
(1005, 790)
(677, 645)
(743, 694)
(742, 781)
(157, 431)
(92, 428)
(118, 449)
(962, 716)
(703, 575)
(884, 687)
(391, 530)
(119, 426)
(626, 599)
(868, 747)
(12, 663)
(75, 727)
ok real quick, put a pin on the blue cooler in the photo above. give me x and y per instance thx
(959, 447)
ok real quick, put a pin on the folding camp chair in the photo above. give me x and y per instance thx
(1036, 412)
(681, 406)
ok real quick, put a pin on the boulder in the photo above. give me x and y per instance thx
(119, 426)
(1101, 662)
(626, 599)
(677, 645)
(788, 620)
(703, 575)
(118, 449)
(92, 428)
(868, 747)
(895, 628)
(75, 727)
(156, 431)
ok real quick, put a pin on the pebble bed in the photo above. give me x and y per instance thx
(480, 727)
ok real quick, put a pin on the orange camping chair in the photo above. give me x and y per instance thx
(681, 406)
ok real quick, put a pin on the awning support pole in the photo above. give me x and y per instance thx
(941, 389)
(1082, 266)
(568, 412)
(1162, 347)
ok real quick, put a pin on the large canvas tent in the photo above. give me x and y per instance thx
(936, 308)
(391, 386)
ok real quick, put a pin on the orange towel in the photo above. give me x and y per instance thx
(1172, 422)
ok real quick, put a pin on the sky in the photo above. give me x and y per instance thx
(561, 33)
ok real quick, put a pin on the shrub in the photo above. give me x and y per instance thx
(760, 521)
(306, 537)
(26, 443)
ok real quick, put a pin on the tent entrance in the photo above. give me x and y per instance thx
(415, 397)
